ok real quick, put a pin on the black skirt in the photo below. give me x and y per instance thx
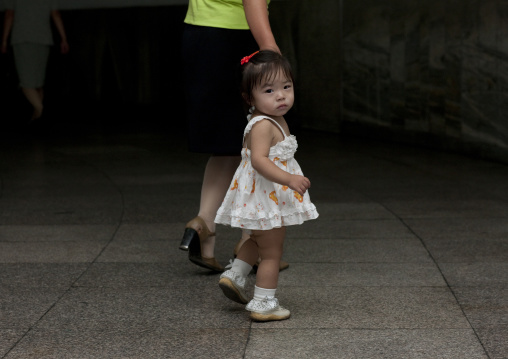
(215, 111)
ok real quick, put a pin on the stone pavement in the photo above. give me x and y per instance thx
(409, 258)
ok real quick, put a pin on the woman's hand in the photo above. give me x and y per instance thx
(64, 47)
(8, 21)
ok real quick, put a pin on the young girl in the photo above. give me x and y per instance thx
(268, 191)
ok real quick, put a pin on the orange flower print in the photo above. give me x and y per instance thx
(253, 186)
(298, 196)
(235, 185)
(245, 164)
(276, 159)
(285, 188)
(285, 163)
(274, 198)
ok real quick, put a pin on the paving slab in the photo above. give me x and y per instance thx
(476, 274)
(490, 228)
(8, 338)
(148, 343)
(72, 210)
(363, 274)
(464, 241)
(149, 231)
(29, 233)
(51, 251)
(144, 308)
(365, 344)
(345, 229)
(439, 208)
(484, 306)
(137, 251)
(178, 275)
(40, 275)
(494, 340)
(158, 211)
(369, 308)
(23, 307)
(347, 210)
(397, 250)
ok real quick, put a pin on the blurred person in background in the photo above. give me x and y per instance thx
(28, 22)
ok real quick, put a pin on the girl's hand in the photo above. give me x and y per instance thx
(299, 184)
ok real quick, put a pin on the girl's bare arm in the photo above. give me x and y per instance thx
(262, 137)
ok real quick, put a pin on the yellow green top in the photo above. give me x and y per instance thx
(226, 14)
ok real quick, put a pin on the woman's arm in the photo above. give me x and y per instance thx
(8, 21)
(261, 139)
(256, 12)
(57, 19)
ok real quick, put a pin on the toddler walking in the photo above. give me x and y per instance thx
(268, 191)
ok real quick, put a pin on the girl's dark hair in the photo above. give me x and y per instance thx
(263, 66)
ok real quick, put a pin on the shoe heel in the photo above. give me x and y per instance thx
(188, 237)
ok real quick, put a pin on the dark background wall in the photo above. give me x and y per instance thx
(431, 73)
(428, 72)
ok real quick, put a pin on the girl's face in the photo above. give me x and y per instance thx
(274, 96)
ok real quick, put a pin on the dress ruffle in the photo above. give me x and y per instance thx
(265, 223)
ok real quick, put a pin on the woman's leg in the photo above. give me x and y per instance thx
(218, 174)
(243, 239)
(31, 62)
(35, 97)
(248, 252)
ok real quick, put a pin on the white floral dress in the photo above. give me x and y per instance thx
(253, 202)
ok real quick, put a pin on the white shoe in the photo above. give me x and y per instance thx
(232, 285)
(266, 310)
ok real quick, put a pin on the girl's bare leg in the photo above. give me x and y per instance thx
(270, 246)
(218, 174)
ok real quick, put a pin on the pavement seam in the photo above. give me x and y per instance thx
(71, 286)
(247, 342)
(445, 280)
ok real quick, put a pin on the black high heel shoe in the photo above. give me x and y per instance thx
(197, 231)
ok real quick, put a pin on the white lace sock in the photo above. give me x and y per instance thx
(262, 293)
(241, 267)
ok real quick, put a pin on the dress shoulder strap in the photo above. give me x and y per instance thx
(256, 119)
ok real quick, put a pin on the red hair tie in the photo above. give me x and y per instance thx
(247, 58)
